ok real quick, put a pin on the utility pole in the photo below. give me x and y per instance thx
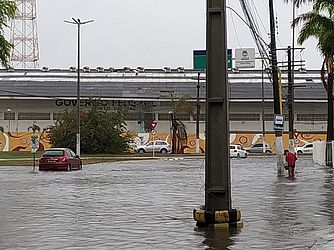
(198, 111)
(290, 101)
(217, 211)
(263, 121)
(217, 164)
(276, 91)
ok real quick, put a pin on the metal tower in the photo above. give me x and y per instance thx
(25, 52)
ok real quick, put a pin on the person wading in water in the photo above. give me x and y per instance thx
(290, 159)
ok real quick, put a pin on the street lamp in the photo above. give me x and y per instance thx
(78, 23)
(9, 110)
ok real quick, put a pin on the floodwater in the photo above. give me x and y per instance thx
(148, 205)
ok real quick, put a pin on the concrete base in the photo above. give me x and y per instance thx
(218, 219)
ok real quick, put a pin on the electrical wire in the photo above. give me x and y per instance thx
(233, 24)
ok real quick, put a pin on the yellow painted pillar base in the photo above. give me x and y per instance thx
(218, 219)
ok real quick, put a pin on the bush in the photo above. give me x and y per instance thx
(100, 131)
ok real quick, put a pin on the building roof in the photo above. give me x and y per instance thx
(148, 84)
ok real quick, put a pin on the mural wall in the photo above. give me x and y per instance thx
(20, 141)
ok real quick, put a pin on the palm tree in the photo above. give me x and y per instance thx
(34, 128)
(7, 12)
(297, 3)
(319, 24)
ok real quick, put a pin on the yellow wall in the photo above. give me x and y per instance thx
(20, 141)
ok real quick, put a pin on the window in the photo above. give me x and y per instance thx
(183, 116)
(9, 116)
(201, 117)
(311, 117)
(164, 117)
(131, 117)
(54, 153)
(244, 117)
(72, 153)
(34, 116)
(309, 146)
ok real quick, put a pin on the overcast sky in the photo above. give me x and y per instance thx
(148, 33)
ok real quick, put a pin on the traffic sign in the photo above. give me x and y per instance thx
(153, 132)
(279, 122)
(154, 124)
(34, 143)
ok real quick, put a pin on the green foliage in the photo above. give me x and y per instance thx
(7, 12)
(100, 131)
(319, 24)
(1, 129)
(34, 128)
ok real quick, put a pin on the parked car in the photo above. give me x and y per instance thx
(306, 149)
(237, 151)
(258, 148)
(159, 146)
(55, 159)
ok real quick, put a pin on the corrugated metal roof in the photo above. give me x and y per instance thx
(151, 84)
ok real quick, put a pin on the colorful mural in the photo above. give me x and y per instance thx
(244, 139)
(20, 141)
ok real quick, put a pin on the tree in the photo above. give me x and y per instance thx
(101, 131)
(297, 3)
(179, 132)
(7, 12)
(319, 24)
(1, 129)
(34, 128)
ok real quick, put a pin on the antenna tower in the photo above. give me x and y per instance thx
(25, 52)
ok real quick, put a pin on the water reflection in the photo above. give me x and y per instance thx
(218, 238)
(149, 204)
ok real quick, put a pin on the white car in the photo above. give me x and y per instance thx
(258, 148)
(237, 151)
(306, 149)
(158, 146)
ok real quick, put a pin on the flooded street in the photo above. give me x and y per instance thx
(148, 205)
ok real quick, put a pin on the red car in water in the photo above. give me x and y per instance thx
(59, 159)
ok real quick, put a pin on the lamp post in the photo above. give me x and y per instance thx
(9, 110)
(78, 23)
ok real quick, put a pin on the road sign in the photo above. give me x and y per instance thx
(245, 58)
(153, 132)
(279, 122)
(296, 134)
(154, 124)
(199, 59)
(229, 58)
(34, 143)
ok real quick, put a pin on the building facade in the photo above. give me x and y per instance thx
(39, 96)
